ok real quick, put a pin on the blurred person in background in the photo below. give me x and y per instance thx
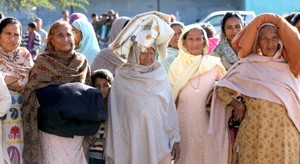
(42, 32)
(31, 40)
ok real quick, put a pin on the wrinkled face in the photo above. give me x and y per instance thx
(194, 42)
(232, 26)
(62, 39)
(268, 39)
(147, 58)
(10, 37)
(177, 32)
(297, 25)
(78, 36)
(103, 85)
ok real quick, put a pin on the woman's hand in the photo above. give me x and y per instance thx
(12, 83)
(175, 153)
(239, 109)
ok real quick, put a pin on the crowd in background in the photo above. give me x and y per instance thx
(149, 89)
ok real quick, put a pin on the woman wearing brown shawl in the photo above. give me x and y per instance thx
(106, 59)
(269, 131)
(59, 64)
(15, 64)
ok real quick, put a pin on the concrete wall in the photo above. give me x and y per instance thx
(187, 11)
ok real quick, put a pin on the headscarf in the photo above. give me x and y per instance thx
(76, 16)
(88, 46)
(245, 39)
(51, 67)
(187, 66)
(16, 63)
(145, 29)
(117, 27)
(106, 58)
(260, 73)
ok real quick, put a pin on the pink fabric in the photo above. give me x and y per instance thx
(212, 43)
(196, 145)
(260, 77)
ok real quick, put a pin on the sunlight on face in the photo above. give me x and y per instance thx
(268, 40)
(194, 42)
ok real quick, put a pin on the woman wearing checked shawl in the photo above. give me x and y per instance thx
(142, 122)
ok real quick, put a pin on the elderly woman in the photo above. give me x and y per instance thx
(192, 75)
(85, 39)
(59, 110)
(231, 24)
(142, 122)
(107, 59)
(269, 131)
(16, 63)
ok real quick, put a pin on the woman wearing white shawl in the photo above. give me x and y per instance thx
(268, 132)
(86, 41)
(5, 104)
(142, 120)
(192, 76)
(106, 59)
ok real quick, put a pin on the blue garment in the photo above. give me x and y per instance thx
(88, 45)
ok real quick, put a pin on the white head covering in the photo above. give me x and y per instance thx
(146, 29)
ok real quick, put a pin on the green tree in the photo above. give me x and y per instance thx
(28, 5)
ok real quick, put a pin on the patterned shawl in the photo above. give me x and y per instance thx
(88, 45)
(224, 49)
(145, 28)
(187, 66)
(17, 64)
(50, 68)
(106, 59)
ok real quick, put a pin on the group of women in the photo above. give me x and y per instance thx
(154, 116)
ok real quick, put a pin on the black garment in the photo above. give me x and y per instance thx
(70, 109)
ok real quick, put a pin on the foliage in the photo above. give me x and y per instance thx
(29, 5)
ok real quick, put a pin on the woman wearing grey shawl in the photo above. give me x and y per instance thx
(142, 124)
(106, 59)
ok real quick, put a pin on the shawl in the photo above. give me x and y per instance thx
(5, 105)
(50, 68)
(5, 98)
(145, 28)
(17, 63)
(260, 73)
(224, 49)
(245, 39)
(88, 46)
(76, 16)
(187, 66)
(117, 27)
(106, 59)
(213, 42)
(144, 129)
(172, 54)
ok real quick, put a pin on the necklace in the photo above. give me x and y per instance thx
(196, 88)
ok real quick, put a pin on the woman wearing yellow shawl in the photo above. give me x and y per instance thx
(192, 75)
